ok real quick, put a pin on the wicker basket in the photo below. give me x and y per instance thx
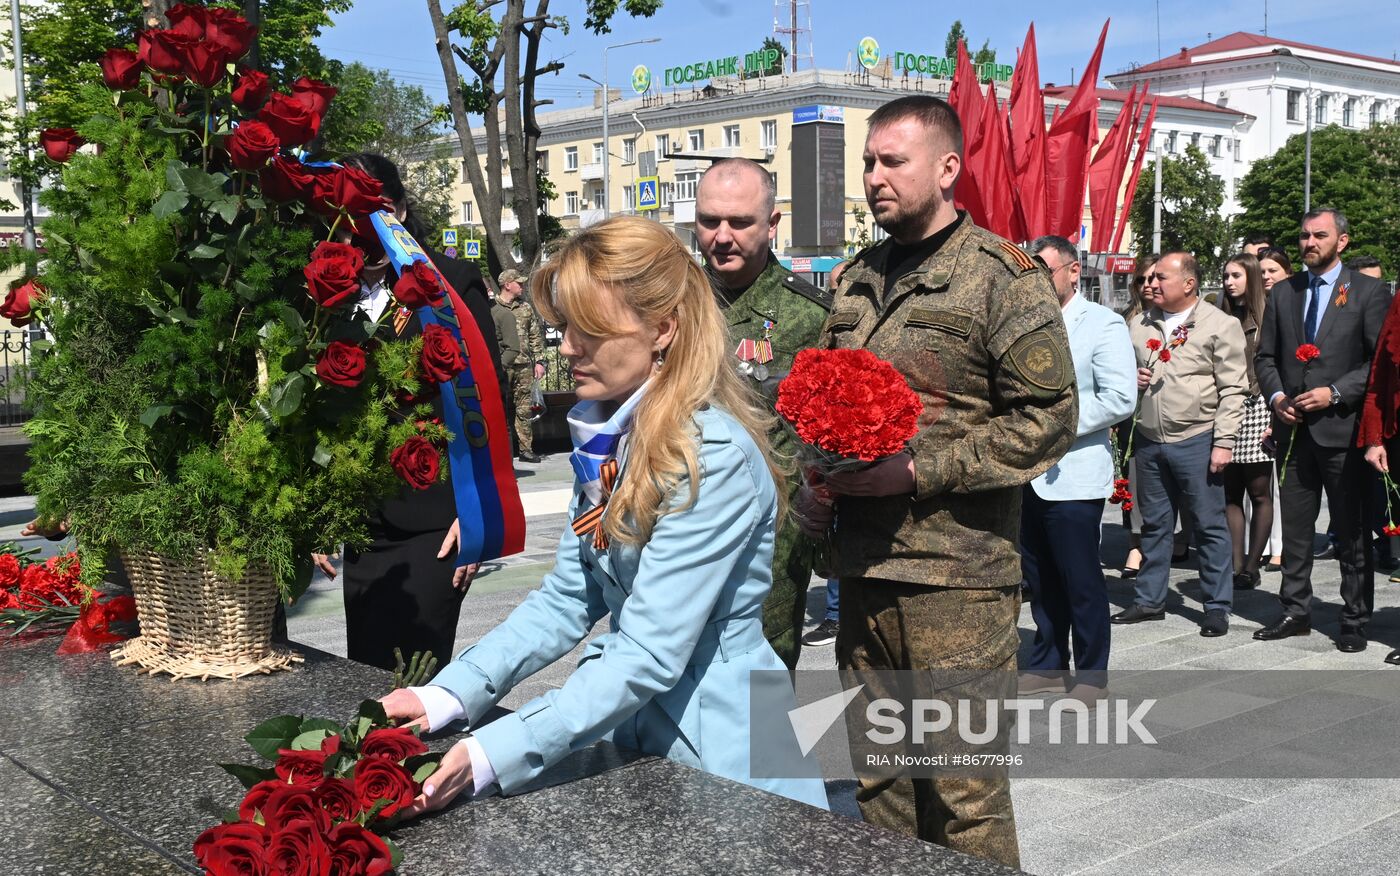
(199, 624)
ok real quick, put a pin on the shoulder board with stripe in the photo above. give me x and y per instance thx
(1017, 255)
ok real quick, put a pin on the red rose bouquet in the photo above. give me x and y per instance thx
(849, 408)
(323, 805)
(1306, 353)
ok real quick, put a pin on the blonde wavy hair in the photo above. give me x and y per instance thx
(647, 269)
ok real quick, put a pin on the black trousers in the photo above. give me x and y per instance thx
(398, 594)
(1060, 562)
(1306, 473)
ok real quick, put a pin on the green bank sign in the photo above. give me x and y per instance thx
(868, 53)
(729, 65)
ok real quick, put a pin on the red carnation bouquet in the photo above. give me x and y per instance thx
(849, 408)
(324, 805)
(48, 593)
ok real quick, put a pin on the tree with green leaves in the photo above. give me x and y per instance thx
(500, 46)
(1355, 171)
(956, 34)
(1192, 198)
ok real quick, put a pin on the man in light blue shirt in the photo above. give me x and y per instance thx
(1061, 510)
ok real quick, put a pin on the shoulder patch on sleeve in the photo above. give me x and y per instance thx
(1042, 361)
(1016, 256)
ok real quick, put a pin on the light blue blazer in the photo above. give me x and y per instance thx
(1106, 372)
(671, 675)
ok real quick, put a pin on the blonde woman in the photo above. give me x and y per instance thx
(671, 538)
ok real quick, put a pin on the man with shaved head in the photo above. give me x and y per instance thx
(772, 315)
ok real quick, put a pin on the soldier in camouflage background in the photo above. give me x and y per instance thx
(925, 541)
(769, 309)
(522, 352)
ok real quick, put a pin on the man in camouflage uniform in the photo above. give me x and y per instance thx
(925, 541)
(767, 307)
(522, 352)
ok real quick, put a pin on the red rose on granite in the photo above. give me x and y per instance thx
(298, 848)
(60, 143)
(9, 570)
(418, 286)
(356, 851)
(314, 94)
(289, 119)
(337, 798)
(393, 743)
(300, 767)
(251, 90)
(292, 802)
(341, 364)
(256, 799)
(442, 357)
(285, 179)
(238, 849)
(330, 281)
(251, 145)
(417, 462)
(121, 69)
(378, 778)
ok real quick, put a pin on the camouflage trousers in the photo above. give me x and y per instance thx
(521, 377)
(786, 606)
(953, 632)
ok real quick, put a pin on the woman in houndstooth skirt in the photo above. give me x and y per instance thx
(1251, 469)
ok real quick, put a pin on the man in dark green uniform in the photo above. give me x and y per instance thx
(772, 315)
(925, 541)
(522, 352)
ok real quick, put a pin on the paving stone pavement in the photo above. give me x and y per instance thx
(1103, 826)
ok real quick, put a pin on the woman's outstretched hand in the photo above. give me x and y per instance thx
(404, 707)
(452, 777)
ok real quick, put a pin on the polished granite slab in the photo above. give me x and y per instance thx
(135, 757)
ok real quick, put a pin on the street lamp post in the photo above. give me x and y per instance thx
(607, 98)
(1311, 110)
(20, 110)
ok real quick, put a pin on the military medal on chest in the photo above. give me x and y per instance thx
(754, 355)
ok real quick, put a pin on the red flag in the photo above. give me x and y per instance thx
(1027, 118)
(1106, 171)
(965, 97)
(1144, 140)
(993, 160)
(1072, 137)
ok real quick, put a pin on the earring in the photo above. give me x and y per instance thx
(660, 358)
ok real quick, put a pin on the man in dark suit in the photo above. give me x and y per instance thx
(1315, 405)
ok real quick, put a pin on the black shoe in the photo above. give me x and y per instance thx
(1393, 658)
(1246, 580)
(1135, 614)
(823, 634)
(1327, 552)
(1288, 626)
(1271, 566)
(1387, 563)
(528, 457)
(1180, 553)
(1352, 640)
(1217, 623)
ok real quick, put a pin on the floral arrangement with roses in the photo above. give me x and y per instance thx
(323, 805)
(849, 408)
(211, 384)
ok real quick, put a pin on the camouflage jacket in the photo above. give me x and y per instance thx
(977, 332)
(797, 310)
(518, 332)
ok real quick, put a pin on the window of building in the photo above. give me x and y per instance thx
(629, 197)
(465, 179)
(571, 158)
(1237, 150)
(571, 203)
(768, 136)
(1375, 113)
(663, 145)
(629, 150)
(467, 213)
(1349, 112)
(666, 193)
(1320, 114)
(542, 161)
(1196, 140)
(774, 175)
(1215, 145)
(731, 136)
(695, 139)
(597, 153)
(685, 186)
(1295, 103)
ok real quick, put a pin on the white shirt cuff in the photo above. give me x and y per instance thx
(483, 774)
(1273, 397)
(440, 706)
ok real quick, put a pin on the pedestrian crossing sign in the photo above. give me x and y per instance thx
(647, 188)
(472, 249)
(449, 237)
